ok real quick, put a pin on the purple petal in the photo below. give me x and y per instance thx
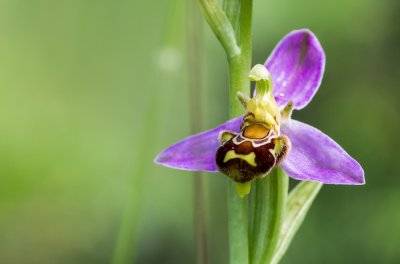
(197, 153)
(296, 66)
(316, 157)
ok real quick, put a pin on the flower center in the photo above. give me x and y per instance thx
(259, 147)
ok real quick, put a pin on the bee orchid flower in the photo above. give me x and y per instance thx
(250, 146)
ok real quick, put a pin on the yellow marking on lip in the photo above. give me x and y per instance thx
(249, 158)
(225, 136)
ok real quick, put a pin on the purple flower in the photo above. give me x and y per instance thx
(296, 67)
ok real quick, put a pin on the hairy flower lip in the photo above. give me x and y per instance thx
(296, 66)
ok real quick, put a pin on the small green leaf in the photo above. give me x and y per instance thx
(299, 202)
(220, 24)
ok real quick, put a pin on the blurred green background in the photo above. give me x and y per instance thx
(90, 91)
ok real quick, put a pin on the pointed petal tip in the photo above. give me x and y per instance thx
(176, 157)
(316, 157)
(352, 175)
(358, 174)
(169, 163)
(197, 152)
(161, 159)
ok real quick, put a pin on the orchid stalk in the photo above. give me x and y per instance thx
(261, 146)
(232, 26)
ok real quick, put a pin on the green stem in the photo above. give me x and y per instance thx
(236, 41)
(270, 205)
(237, 226)
(239, 67)
(240, 64)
